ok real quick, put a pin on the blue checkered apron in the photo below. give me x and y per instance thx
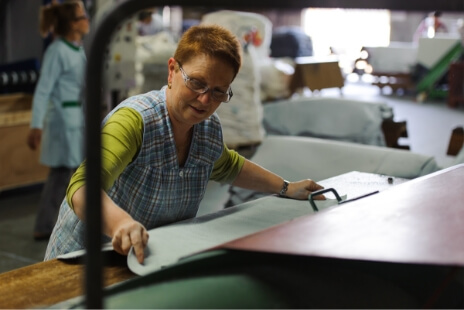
(153, 189)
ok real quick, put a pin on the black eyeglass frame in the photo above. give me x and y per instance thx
(187, 78)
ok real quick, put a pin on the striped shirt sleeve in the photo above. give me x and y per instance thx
(227, 167)
(121, 141)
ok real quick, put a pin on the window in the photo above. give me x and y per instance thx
(346, 31)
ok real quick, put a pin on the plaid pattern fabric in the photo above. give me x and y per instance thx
(153, 189)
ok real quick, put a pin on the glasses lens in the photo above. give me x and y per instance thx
(220, 96)
(201, 88)
(196, 85)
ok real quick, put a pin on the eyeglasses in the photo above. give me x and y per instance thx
(200, 88)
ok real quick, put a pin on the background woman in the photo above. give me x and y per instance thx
(57, 118)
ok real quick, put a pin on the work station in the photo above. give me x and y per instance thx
(389, 233)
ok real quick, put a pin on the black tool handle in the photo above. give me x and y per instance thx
(320, 192)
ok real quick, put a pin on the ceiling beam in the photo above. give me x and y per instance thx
(397, 5)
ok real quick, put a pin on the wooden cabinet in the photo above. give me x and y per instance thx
(19, 166)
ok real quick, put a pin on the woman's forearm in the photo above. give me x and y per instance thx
(124, 231)
(257, 178)
(112, 215)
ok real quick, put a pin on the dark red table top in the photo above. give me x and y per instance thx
(420, 221)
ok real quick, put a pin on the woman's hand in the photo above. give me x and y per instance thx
(34, 137)
(130, 233)
(302, 189)
(117, 224)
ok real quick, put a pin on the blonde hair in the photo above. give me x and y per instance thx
(210, 40)
(56, 18)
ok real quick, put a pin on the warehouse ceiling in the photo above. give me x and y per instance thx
(401, 5)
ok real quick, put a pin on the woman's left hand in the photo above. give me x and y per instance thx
(302, 189)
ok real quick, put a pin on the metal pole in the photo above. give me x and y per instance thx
(94, 98)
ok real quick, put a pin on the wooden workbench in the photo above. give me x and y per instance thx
(415, 222)
(48, 283)
(399, 249)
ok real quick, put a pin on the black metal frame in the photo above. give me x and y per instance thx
(94, 97)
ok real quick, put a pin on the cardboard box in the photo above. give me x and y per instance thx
(316, 73)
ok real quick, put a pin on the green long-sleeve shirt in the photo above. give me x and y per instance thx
(121, 141)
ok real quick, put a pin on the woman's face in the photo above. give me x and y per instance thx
(81, 21)
(187, 107)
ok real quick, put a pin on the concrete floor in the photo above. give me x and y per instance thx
(17, 216)
(429, 127)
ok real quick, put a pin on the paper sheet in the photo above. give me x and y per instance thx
(168, 244)
(76, 254)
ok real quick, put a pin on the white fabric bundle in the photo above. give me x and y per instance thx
(241, 118)
(276, 74)
(153, 53)
(328, 118)
(241, 23)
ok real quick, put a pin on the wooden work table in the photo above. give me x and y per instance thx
(416, 222)
(48, 283)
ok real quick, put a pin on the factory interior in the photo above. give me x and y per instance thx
(345, 93)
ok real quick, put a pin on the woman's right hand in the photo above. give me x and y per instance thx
(117, 224)
(130, 233)
(34, 137)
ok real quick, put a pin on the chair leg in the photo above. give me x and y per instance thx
(456, 141)
(392, 131)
